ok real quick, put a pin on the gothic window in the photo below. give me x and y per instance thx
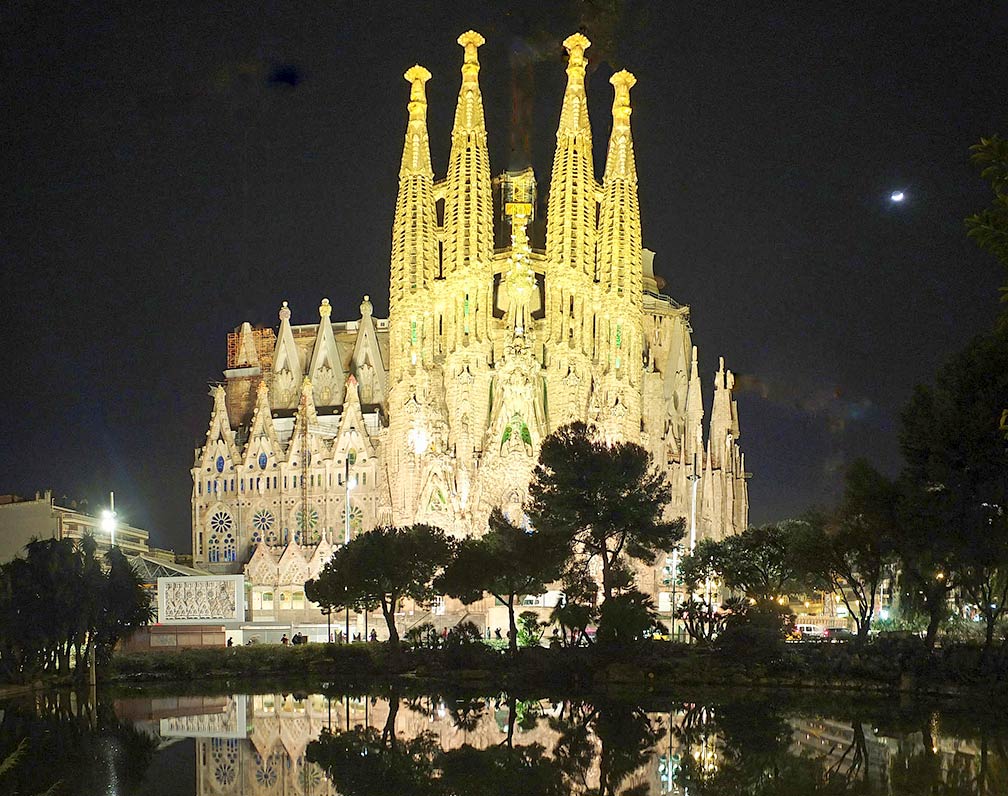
(263, 520)
(213, 549)
(230, 553)
(220, 464)
(256, 537)
(271, 538)
(263, 459)
(225, 760)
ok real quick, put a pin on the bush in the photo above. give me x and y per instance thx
(756, 632)
(626, 619)
(462, 634)
(530, 629)
(424, 636)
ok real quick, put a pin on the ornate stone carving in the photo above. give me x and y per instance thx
(200, 599)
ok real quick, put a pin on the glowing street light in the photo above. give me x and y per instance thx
(108, 519)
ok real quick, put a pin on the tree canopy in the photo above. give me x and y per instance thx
(59, 604)
(606, 500)
(989, 227)
(954, 530)
(506, 562)
(380, 568)
(760, 561)
(848, 550)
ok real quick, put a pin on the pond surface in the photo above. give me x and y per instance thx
(443, 745)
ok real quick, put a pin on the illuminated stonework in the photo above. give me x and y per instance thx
(437, 414)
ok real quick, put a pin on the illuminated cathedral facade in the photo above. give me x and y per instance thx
(321, 430)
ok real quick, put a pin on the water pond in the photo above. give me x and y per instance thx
(758, 744)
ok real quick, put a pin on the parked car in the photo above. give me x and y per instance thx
(837, 634)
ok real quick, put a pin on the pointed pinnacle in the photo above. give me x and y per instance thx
(417, 76)
(471, 41)
(622, 82)
(576, 46)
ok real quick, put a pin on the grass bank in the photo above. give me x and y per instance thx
(883, 666)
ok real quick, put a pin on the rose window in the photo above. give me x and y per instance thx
(266, 774)
(312, 519)
(221, 522)
(263, 520)
(225, 773)
(356, 520)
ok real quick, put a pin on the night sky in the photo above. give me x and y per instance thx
(170, 171)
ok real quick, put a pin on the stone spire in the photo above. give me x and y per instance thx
(287, 370)
(693, 437)
(468, 209)
(619, 245)
(414, 241)
(570, 222)
(721, 424)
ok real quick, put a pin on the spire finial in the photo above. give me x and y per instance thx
(325, 309)
(471, 41)
(365, 308)
(285, 312)
(417, 77)
(622, 82)
(576, 46)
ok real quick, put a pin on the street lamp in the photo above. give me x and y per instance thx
(351, 484)
(108, 520)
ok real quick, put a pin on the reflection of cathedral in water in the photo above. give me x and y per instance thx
(257, 744)
(263, 739)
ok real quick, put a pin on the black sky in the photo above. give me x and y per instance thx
(170, 170)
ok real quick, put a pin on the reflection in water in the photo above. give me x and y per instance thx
(444, 745)
(435, 746)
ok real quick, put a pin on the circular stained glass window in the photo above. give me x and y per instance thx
(220, 464)
(221, 521)
(313, 519)
(263, 520)
(356, 520)
(263, 459)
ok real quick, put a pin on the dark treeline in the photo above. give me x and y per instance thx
(61, 604)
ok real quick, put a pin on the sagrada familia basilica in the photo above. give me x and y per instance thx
(321, 430)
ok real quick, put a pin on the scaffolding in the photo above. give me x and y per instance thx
(264, 341)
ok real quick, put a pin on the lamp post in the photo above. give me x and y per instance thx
(108, 520)
(350, 484)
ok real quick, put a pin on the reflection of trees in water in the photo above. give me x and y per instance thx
(456, 743)
(72, 746)
(752, 747)
(364, 762)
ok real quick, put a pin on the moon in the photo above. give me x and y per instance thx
(897, 196)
